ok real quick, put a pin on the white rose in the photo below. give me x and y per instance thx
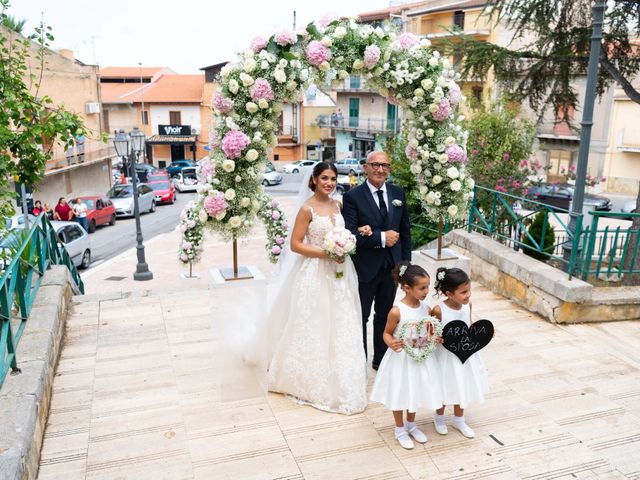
(326, 41)
(228, 165)
(283, 63)
(427, 83)
(444, 158)
(233, 86)
(418, 92)
(425, 42)
(415, 168)
(251, 155)
(339, 32)
(247, 80)
(203, 216)
(304, 75)
(264, 65)
(433, 108)
(245, 202)
(433, 62)
(254, 123)
(221, 215)
(358, 64)
(249, 65)
(379, 32)
(430, 132)
(452, 172)
(343, 74)
(230, 194)
(263, 104)
(324, 66)
(292, 85)
(255, 204)
(470, 182)
(423, 190)
(456, 185)
(279, 75)
(442, 81)
(430, 198)
(450, 141)
(436, 179)
(453, 210)
(277, 108)
(251, 107)
(238, 179)
(235, 222)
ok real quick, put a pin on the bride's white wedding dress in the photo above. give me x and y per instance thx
(318, 357)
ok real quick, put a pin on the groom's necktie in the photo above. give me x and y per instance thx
(382, 204)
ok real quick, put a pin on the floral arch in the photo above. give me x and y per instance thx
(404, 69)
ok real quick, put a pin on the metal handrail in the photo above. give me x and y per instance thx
(20, 282)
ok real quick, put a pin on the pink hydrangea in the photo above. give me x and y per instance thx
(233, 143)
(214, 139)
(444, 110)
(279, 240)
(261, 89)
(275, 215)
(407, 40)
(258, 44)
(275, 250)
(221, 103)
(286, 37)
(371, 55)
(274, 203)
(454, 94)
(215, 205)
(327, 19)
(456, 154)
(317, 53)
(411, 152)
(207, 169)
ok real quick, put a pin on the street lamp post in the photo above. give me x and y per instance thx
(599, 7)
(129, 146)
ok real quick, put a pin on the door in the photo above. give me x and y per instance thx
(354, 112)
(177, 152)
(101, 215)
(391, 117)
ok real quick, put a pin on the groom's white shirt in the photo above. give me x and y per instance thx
(374, 193)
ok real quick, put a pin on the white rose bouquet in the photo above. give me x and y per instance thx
(338, 243)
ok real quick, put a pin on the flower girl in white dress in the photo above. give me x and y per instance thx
(403, 383)
(462, 383)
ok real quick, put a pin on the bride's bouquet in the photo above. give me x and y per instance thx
(338, 243)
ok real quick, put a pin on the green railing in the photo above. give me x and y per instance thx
(610, 250)
(492, 213)
(35, 251)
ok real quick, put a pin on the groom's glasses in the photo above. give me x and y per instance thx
(378, 166)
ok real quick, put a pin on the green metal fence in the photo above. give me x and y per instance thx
(36, 250)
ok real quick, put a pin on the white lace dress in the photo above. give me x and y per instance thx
(319, 358)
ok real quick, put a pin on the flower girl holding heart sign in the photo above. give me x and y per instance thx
(408, 377)
(462, 383)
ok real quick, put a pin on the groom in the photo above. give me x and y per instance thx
(382, 206)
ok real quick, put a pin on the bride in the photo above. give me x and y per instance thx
(315, 320)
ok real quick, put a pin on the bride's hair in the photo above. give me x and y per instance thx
(317, 170)
(405, 273)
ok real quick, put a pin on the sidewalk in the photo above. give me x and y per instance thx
(144, 390)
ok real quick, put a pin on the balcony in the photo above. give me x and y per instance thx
(92, 152)
(287, 135)
(354, 84)
(358, 124)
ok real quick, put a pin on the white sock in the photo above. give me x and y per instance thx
(458, 420)
(439, 419)
(409, 426)
(400, 431)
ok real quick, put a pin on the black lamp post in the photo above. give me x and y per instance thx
(129, 146)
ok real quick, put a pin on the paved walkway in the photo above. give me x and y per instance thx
(143, 390)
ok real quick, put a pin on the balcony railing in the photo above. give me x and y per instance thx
(369, 125)
(92, 151)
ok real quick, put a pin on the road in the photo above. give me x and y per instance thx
(107, 241)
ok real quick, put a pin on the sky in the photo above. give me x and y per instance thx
(184, 35)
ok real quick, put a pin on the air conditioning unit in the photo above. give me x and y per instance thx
(92, 107)
(195, 131)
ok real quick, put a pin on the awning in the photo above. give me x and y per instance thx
(172, 139)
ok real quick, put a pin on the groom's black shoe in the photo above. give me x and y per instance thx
(375, 366)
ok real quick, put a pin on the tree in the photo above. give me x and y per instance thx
(29, 124)
(545, 243)
(13, 23)
(550, 49)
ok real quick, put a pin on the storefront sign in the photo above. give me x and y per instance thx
(174, 129)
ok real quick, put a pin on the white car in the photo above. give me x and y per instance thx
(300, 166)
(187, 180)
(17, 222)
(270, 176)
(122, 198)
(76, 242)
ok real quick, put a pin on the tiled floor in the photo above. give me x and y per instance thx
(143, 390)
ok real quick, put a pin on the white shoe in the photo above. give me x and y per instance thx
(441, 428)
(464, 429)
(418, 435)
(404, 440)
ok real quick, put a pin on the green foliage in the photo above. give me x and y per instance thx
(13, 23)
(540, 223)
(29, 123)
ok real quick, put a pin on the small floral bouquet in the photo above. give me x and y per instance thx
(338, 243)
(420, 337)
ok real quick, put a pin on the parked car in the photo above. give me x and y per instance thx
(158, 176)
(187, 180)
(75, 240)
(164, 190)
(176, 167)
(17, 222)
(100, 211)
(629, 207)
(122, 198)
(560, 195)
(349, 165)
(300, 166)
(144, 170)
(270, 176)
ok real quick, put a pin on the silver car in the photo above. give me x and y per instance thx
(187, 180)
(122, 198)
(349, 165)
(76, 242)
(17, 222)
(270, 176)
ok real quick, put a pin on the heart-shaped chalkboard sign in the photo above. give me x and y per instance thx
(463, 340)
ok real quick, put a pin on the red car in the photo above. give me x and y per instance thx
(164, 191)
(100, 211)
(157, 177)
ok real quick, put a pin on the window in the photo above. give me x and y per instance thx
(458, 19)
(477, 93)
(559, 162)
(354, 81)
(175, 118)
(354, 111)
(145, 117)
(72, 233)
(391, 117)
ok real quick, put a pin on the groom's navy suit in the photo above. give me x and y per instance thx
(373, 262)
